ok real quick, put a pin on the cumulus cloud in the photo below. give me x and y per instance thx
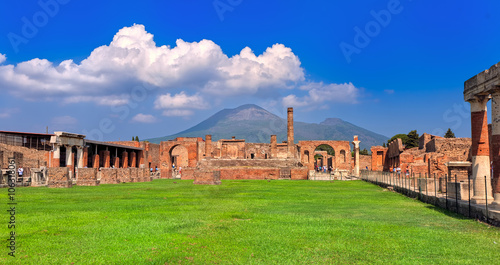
(2, 58)
(144, 118)
(177, 113)
(180, 104)
(133, 58)
(319, 94)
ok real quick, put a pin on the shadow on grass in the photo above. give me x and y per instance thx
(447, 212)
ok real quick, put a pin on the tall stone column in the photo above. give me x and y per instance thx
(69, 160)
(79, 155)
(290, 140)
(495, 143)
(480, 150)
(124, 159)
(56, 156)
(356, 155)
(133, 156)
(96, 161)
(208, 146)
(85, 156)
(274, 147)
(106, 159)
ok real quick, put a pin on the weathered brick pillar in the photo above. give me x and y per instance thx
(124, 159)
(290, 140)
(480, 150)
(208, 146)
(95, 161)
(69, 160)
(495, 143)
(85, 156)
(117, 162)
(56, 156)
(274, 147)
(133, 161)
(356, 155)
(140, 158)
(106, 159)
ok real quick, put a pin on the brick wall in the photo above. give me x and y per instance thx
(58, 177)
(26, 157)
(249, 173)
(108, 176)
(299, 173)
(207, 177)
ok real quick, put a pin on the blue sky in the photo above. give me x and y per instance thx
(116, 69)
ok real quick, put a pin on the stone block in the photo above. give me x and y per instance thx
(87, 177)
(461, 188)
(58, 177)
(207, 177)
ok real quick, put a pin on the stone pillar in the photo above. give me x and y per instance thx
(274, 147)
(208, 146)
(124, 159)
(56, 157)
(140, 158)
(290, 140)
(117, 162)
(480, 150)
(133, 161)
(106, 159)
(356, 155)
(495, 143)
(458, 171)
(79, 156)
(69, 160)
(95, 161)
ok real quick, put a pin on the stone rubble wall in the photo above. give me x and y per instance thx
(58, 177)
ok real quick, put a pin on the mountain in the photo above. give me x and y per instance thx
(256, 125)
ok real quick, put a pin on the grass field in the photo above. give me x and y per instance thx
(240, 222)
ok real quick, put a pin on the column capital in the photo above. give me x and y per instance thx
(479, 103)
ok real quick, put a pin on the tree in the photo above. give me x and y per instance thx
(412, 140)
(383, 145)
(449, 134)
(324, 147)
(137, 138)
(133, 138)
(363, 152)
(403, 137)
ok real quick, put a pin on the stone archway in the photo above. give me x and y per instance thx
(179, 156)
(308, 149)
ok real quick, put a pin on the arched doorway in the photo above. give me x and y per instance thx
(327, 155)
(179, 156)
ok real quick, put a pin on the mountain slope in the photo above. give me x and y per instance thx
(256, 125)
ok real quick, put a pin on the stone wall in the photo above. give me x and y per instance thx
(364, 162)
(87, 177)
(25, 157)
(58, 177)
(249, 173)
(299, 173)
(108, 176)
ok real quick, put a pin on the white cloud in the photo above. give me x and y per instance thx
(319, 94)
(2, 58)
(177, 113)
(144, 118)
(180, 101)
(133, 58)
(7, 112)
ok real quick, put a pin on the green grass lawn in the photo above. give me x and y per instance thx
(240, 222)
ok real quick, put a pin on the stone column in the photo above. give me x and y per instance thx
(208, 146)
(290, 140)
(480, 150)
(495, 143)
(124, 159)
(56, 157)
(117, 162)
(356, 155)
(80, 155)
(274, 147)
(69, 160)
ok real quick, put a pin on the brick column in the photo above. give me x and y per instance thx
(85, 156)
(95, 161)
(480, 150)
(106, 159)
(356, 155)
(124, 159)
(274, 147)
(69, 160)
(133, 161)
(290, 143)
(495, 143)
(208, 146)
(56, 156)
(117, 162)
(140, 158)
